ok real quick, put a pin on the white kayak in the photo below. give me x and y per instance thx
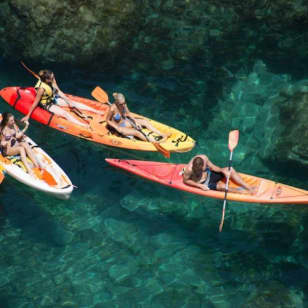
(51, 179)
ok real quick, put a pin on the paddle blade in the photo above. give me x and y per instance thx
(44, 175)
(233, 139)
(1, 177)
(161, 150)
(223, 216)
(100, 95)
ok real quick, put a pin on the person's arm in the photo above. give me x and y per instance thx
(55, 86)
(4, 143)
(214, 167)
(109, 117)
(188, 181)
(20, 133)
(131, 117)
(37, 99)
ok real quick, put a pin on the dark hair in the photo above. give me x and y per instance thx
(45, 74)
(5, 119)
(197, 166)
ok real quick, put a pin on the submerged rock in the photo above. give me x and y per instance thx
(273, 294)
(292, 142)
(152, 34)
(271, 113)
(67, 31)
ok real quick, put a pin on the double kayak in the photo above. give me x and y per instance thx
(51, 179)
(21, 99)
(267, 191)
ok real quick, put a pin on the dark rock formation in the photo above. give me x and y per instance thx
(73, 32)
(157, 35)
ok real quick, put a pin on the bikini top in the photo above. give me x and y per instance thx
(9, 137)
(117, 117)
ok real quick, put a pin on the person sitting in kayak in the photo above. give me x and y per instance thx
(51, 98)
(200, 172)
(12, 141)
(121, 119)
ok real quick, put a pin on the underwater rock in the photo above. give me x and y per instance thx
(271, 113)
(291, 144)
(67, 31)
(149, 32)
(272, 294)
(125, 233)
(120, 272)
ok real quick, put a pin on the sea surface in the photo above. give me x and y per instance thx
(121, 241)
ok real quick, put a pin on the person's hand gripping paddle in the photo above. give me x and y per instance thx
(233, 141)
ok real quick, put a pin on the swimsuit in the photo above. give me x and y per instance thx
(117, 117)
(212, 178)
(8, 138)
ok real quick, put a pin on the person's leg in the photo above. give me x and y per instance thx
(235, 177)
(64, 102)
(128, 131)
(62, 113)
(147, 124)
(221, 186)
(31, 154)
(19, 150)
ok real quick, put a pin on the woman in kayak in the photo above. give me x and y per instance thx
(200, 172)
(51, 98)
(12, 141)
(121, 119)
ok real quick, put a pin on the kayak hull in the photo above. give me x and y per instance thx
(21, 99)
(267, 191)
(12, 166)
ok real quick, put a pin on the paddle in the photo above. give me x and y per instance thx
(74, 109)
(1, 174)
(233, 141)
(99, 94)
(46, 176)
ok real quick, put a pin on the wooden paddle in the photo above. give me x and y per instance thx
(233, 141)
(100, 95)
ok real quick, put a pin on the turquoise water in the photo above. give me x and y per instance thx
(121, 241)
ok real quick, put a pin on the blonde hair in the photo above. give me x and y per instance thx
(118, 96)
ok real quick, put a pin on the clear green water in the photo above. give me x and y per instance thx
(123, 242)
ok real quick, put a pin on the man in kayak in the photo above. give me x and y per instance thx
(12, 141)
(51, 98)
(121, 119)
(200, 172)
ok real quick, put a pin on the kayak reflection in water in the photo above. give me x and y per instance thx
(12, 142)
(51, 98)
(200, 172)
(121, 119)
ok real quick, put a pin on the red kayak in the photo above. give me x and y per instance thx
(170, 175)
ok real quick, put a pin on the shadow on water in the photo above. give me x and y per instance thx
(30, 216)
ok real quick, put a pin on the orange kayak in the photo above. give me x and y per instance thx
(21, 99)
(1, 177)
(170, 175)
